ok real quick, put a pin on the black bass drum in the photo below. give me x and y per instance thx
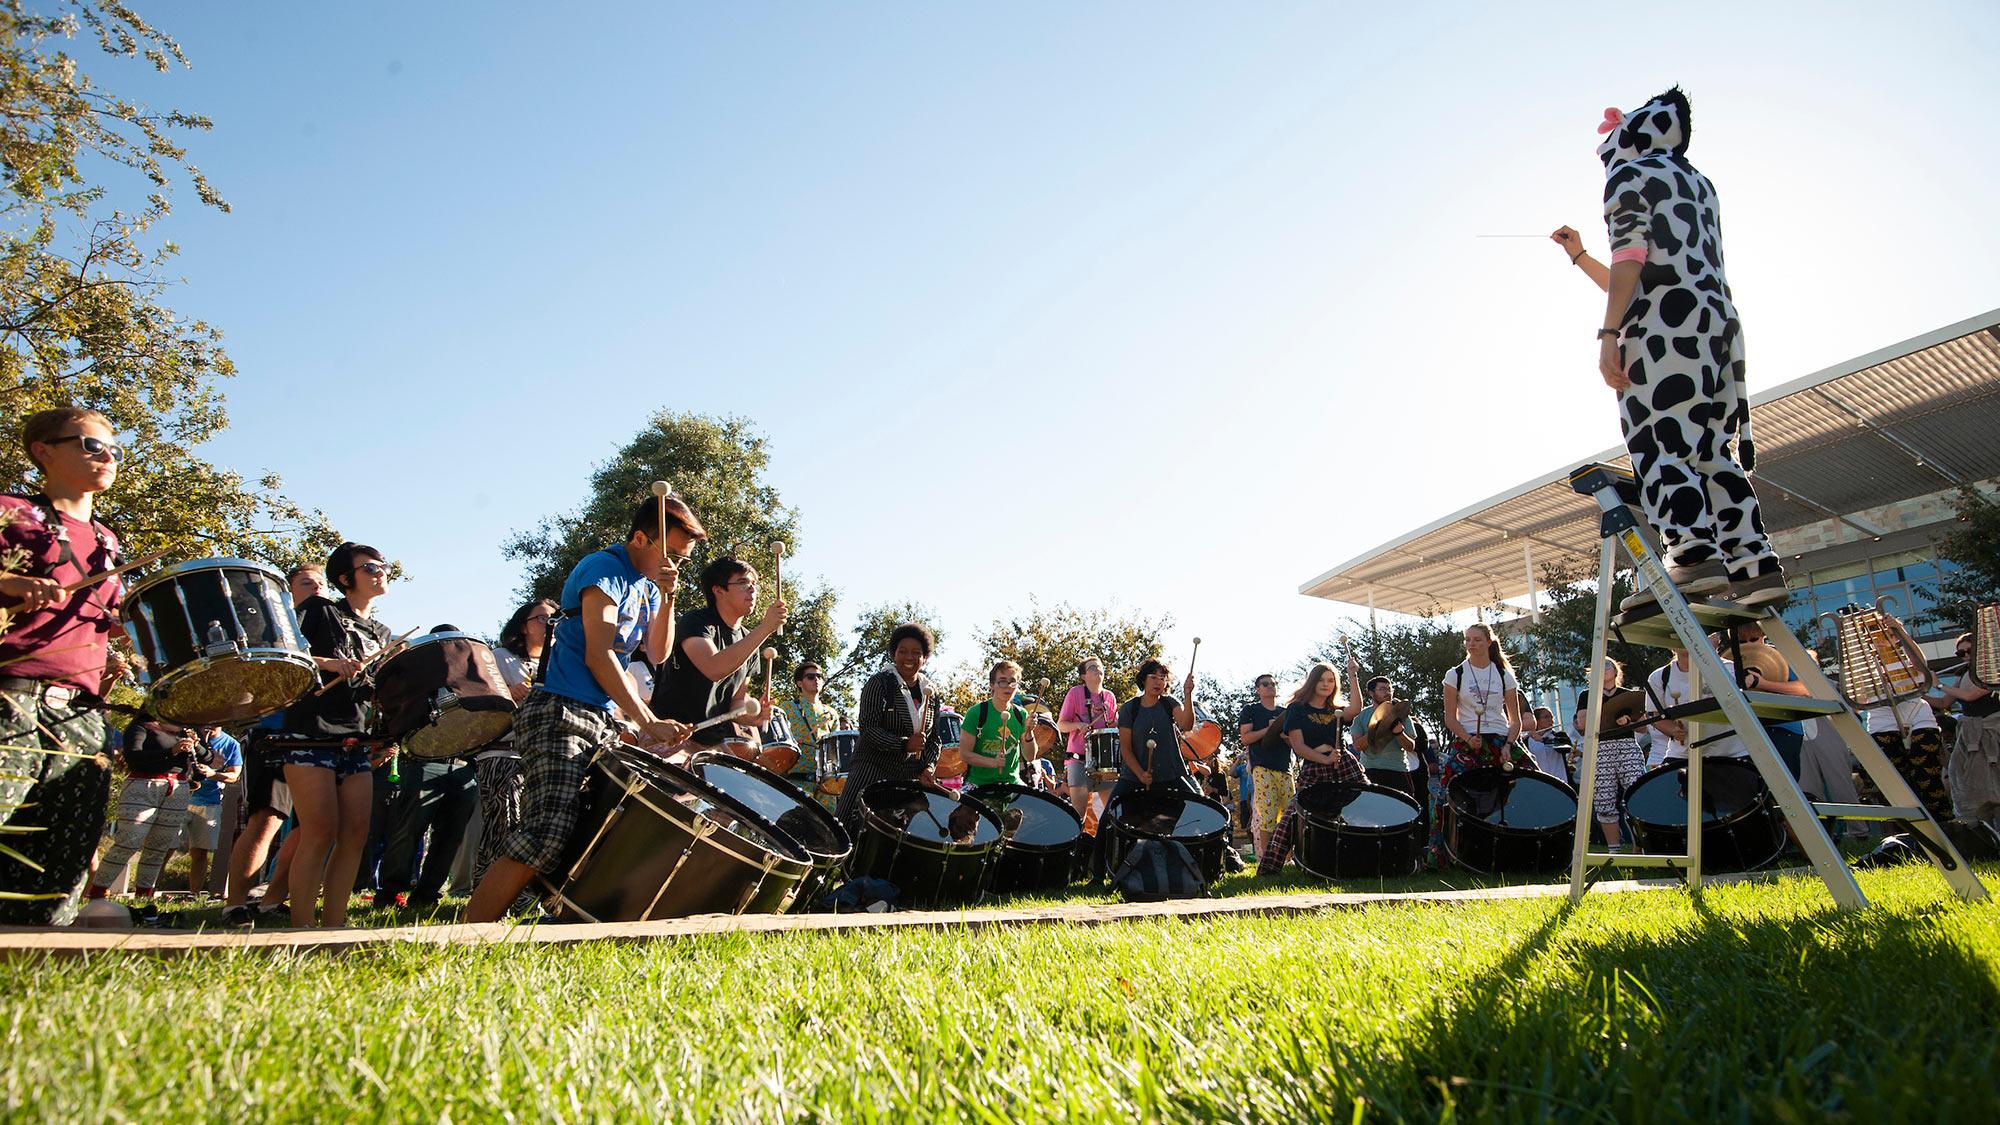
(1358, 831)
(1038, 838)
(1198, 823)
(1742, 828)
(1502, 822)
(785, 805)
(936, 850)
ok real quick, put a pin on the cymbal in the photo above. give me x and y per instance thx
(1380, 735)
(1766, 661)
(1625, 703)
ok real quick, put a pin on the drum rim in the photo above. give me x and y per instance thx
(1201, 798)
(196, 566)
(937, 847)
(1361, 829)
(1451, 808)
(1739, 816)
(814, 809)
(415, 643)
(706, 791)
(165, 683)
(1007, 842)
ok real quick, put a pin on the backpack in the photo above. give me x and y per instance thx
(1157, 870)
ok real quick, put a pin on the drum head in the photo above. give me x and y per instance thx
(930, 818)
(1176, 816)
(1357, 806)
(1030, 817)
(1521, 799)
(702, 799)
(1729, 788)
(456, 731)
(776, 800)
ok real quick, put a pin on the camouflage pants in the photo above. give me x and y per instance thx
(58, 798)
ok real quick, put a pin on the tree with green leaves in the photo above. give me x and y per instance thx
(1414, 652)
(87, 177)
(870, 648)
(1973, 545)
(716, 466)
(1049, 642)
(1558, 650)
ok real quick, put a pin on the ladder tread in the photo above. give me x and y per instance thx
(1765, 704)
(1622, 859)
(1869, 812)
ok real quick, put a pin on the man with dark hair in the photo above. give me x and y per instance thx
(810, 719)
(1260, 728)
(707, 673)
(611, 605)
(55, 658)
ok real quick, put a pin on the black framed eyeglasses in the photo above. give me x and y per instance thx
(92, 445)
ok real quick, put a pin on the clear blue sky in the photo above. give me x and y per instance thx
(1168, 304)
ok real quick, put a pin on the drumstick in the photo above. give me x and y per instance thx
(778, 575)
(731, 717)
(770, 654)
(100, 576)
(387, 651)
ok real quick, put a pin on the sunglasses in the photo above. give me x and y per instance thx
(92, 445)
(375, 568)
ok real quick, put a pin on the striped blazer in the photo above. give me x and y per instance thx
(884, 718)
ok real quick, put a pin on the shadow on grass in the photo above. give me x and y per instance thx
(1870, 1015)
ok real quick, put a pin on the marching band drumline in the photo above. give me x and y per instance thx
(554, 720)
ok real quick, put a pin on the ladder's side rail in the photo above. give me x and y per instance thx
(1806, 829)
(1586, 776)
(1697, 764)
(1877, 766)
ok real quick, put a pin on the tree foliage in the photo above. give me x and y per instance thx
(1050, 641)
(869, 650)
(716, 466)
(1414, 652)
(82, 284)
(1558, 648)
(1974, 545)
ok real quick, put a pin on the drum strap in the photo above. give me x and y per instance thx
(58, 528)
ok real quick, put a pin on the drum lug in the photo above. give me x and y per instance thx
(218, 642)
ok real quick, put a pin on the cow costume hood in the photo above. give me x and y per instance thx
(1662, 125)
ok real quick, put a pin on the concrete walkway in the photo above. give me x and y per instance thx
(22, 941)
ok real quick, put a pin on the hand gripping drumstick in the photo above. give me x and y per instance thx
(662, 490)
(778, 576)
(770, 654)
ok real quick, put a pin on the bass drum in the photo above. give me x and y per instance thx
(655, 841)
(937, 851)
(218, 642)
(1742, 828)
(1039, 834)
(442, 695)
(786, 806)
(1501, 822)
(1358, 831)
(1195, 822)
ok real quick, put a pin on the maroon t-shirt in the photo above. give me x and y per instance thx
(65, 643)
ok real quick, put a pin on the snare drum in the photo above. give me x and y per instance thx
(1195, 822)
(1499, 822)
(655, 841)
(937, 851)
(1742, 829)
(1101, 754)
(1358, 831)
(779, 757)
(218, 641)
(1038, 838)
(811, 826)
(835, 752)
(441, 695)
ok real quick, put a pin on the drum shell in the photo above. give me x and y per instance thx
(925, 872)
(802, 818)
(1205, 844)
(1742, 827)
(643, 852)
(442, 695)
(1332, 848)
(256, 662)
(1101, 752)
(1025, 866)
(834, 753)
(1500, 848)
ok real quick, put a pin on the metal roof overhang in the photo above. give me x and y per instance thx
(1909, 420)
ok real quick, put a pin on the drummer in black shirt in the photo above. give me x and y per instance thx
(332, 787)
(707, 673)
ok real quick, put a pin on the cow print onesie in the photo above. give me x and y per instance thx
(1682, 345)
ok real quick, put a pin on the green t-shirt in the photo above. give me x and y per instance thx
(993, 733)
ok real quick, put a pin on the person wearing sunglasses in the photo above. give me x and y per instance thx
(811, 720)
(333, 787)
(612, 606)
(708, 672)
(55, 659)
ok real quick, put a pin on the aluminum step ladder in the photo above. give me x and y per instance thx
(1675, 622)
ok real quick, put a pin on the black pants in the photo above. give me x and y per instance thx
(436, 796)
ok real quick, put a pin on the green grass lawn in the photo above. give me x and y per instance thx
(1749, 1003)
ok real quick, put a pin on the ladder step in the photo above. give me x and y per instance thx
(1766, 705)
(1868, 812)
(1649, 625)
(1620, 859)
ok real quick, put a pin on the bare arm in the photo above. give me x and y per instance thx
(1451, 713)
(599, 615)
(1618, 297)
(660, 632)
(1572, 246)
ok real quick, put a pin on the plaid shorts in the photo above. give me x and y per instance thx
(556, 737)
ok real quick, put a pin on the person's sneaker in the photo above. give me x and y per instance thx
(239, 917)
(1695, 581)
(420, 900)
(1766, 589)
(383, 900)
